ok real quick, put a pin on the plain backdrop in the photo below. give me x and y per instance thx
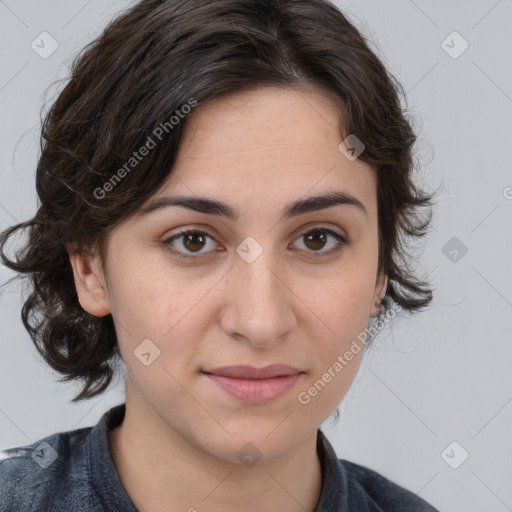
(437, 387)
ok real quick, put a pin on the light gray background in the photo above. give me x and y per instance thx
(442, 376)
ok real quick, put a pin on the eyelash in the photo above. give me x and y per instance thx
(342, 241)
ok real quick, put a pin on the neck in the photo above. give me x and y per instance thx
(161, 470)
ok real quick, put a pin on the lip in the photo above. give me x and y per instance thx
(255, 386)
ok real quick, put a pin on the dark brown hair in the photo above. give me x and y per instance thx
(134, 82)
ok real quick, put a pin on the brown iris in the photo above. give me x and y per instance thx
(194, 244)
(315, 237)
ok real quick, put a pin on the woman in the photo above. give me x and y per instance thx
(226, 193)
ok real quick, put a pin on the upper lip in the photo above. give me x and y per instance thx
(251, 372)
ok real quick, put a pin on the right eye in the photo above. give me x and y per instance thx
(192, 240)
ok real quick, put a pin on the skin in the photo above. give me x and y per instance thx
(177, 447)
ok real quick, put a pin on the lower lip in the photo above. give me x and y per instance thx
(255, 391)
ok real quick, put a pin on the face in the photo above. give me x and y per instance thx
(268, 284)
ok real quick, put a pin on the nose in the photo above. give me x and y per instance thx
(260, 303)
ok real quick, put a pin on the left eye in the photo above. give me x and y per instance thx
(316, 239)
(192, 241)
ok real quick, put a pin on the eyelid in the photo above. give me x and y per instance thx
(342, 240)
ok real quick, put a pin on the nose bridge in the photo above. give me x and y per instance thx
(263, 310)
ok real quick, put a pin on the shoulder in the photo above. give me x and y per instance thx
(381, 494)
(31, 474)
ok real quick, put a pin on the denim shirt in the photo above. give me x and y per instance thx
(74, 471)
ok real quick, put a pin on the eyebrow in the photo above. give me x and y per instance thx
(219, 208)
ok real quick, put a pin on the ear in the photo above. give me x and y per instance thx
(378, 293)
(89, 282)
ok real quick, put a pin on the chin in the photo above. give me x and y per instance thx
(264, 441)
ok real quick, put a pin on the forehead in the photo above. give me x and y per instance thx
(267, 143)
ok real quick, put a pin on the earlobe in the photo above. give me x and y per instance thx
(89, 282)
(380, 292)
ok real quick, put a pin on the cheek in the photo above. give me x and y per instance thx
(343, 310)
(337, 350)
(146, 299)
(327, 387)
(342, 305)
(173, 316)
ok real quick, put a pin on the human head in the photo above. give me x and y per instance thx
(146, 66)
